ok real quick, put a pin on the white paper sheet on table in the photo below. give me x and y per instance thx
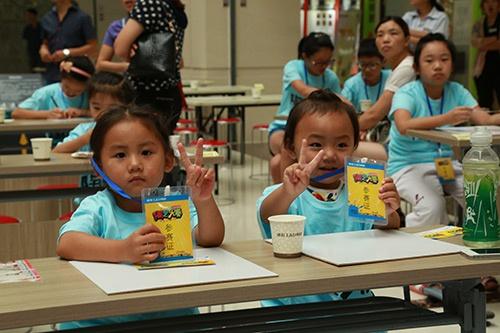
(360, 247)
(119, 278)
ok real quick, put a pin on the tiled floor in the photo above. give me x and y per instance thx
(241, 225)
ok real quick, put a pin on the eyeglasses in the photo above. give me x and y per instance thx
(371, 66)
(322, 63)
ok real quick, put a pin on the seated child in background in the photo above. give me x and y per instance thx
(365, 88)
(65, 99)
(105, 89)
(429, 102)
(132, 148)
(320, 133)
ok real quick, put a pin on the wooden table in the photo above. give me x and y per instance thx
(444, 137)
(19, 166)
(40, 125)
(64, 294)
(216, 90)
(238, 104)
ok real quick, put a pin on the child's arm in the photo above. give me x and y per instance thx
(20, 113)
(75, 112)
(404, 121)
(295, 180)
(142, 245)
(73, 145)
(376, 112)
(390, 196)
(480, 117)
(210, 229)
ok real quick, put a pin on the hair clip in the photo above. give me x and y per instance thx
(67, 66)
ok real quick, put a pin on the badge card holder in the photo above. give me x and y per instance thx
(364, 179)
(444, 170)
(168, 209)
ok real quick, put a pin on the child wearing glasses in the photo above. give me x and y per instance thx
(364, 88)
(310, 72)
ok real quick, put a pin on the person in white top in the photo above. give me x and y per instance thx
(392, 38)
(428, 17)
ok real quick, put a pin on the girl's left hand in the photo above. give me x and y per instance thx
(201, 180)
(73, 112)
(389, 195)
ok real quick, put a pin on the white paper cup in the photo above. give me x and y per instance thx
(256, 92)
(41, 148)
(194, 84)
(2, 115)
(288, 234)
(174, 140)
(365, 104)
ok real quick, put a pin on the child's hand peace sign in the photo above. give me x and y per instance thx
(296, 177)
(201, 180)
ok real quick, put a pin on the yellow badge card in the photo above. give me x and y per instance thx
(170, 213)
(364, 180)
(444, 169)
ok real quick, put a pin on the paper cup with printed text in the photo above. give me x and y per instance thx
(174, 140)
(288, 235)
(41, 148)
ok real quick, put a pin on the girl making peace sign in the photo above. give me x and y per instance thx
(109, 226)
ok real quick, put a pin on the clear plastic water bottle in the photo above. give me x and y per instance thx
(480, 187)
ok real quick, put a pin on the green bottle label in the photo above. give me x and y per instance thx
(481, 219)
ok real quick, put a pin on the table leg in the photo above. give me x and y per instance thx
(242, 136)
(466, 299)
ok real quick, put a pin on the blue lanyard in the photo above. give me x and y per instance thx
(379, 88)
(112, 185)
(441, 108)
(306, 77)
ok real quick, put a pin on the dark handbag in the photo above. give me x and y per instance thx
(155, 56)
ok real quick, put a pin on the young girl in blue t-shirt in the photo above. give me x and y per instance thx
(65, 99)
(321, 132)
(105, 90)
(132, 151)
(429, 102)
(310, 72)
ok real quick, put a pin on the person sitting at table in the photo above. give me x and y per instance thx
(65, 99)
(105, 90)
(429, 102)
(132, 151)
(322, 130)
(311, 71)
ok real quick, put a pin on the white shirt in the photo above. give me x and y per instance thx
(436, 21)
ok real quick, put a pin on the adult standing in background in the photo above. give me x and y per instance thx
(104, 60)
(32, 33)
(66, 31)
(485, 37)
(428, 17)
(156, 16)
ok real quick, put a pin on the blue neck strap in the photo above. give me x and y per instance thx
(112, 185)
(328, 175)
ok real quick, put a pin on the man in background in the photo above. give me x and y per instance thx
(32, 33)
(66, 31)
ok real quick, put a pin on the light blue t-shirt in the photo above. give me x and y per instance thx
(405, 150)
(296, 70)
(100, 216)
(77, 132)
(51, 97)
(322, 217)
(356, 90)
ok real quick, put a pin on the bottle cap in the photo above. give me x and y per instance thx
(481, 136)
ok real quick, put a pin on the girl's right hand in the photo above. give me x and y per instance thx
(296, 177)
(144, 244)
(459, 115)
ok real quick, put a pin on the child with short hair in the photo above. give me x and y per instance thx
(65, 99)
(105, 89)
(429, 102)
(321, 132)
(132, 149)
(368, 84)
